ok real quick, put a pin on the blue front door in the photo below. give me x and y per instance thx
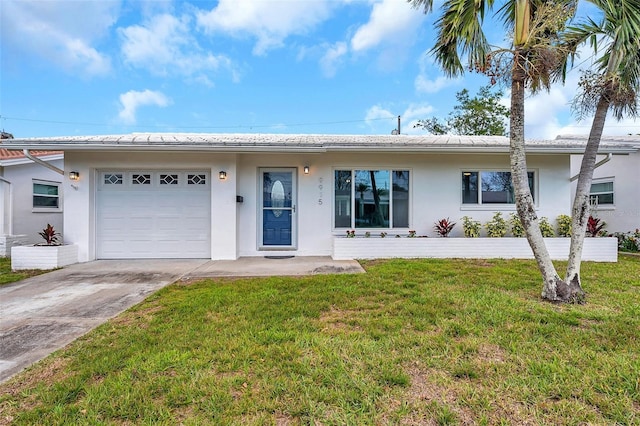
(278, 207)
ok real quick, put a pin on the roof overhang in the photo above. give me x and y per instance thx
(24, 160)
(286, 143)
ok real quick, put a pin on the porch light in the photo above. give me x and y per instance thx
(306, 170)
(222, 175)
(75, 176)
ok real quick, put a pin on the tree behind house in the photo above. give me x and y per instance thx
(481, 115)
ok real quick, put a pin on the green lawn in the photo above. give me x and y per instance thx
(410, 342)
(7, 276)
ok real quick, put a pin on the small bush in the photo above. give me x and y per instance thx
(546, 228)
(564, 225)
(517, 230)
(50, 235)
(595, 227)
(629, 241)
(443, 227)
(470, 227)
(497, 226)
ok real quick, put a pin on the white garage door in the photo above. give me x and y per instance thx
(153, 214)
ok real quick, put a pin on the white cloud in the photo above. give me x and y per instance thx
(332, 58)
(377, 112)
(132, 100)
(412, 114)
(424, 84)
(164, 46)
(269, 22)
(391, 29)
(382, 120)
(53, 31)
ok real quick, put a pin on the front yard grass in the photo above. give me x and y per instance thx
(7, 276)
(410, 342)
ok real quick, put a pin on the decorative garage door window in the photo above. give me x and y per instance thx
(138, 179)
(113, 178)
(196, 179)
(150, 180)
(166, 179)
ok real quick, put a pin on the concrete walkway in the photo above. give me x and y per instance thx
(42, 314)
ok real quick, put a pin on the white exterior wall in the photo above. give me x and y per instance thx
(25, 220)
(624, 170)
(435, 193)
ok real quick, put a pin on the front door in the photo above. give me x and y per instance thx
(278, 208)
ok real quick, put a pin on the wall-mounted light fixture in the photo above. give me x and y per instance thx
(75, 176)
(306, 170)
(222, 175)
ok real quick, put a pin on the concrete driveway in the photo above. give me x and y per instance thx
(42, 314)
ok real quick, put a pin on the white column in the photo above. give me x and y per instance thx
(224, 242)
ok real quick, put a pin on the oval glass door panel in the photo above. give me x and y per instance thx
(277, 198)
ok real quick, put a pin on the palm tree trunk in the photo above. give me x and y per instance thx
(554, 288)
(580, 213)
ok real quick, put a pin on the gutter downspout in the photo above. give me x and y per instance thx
(42, 163)
(595, 166)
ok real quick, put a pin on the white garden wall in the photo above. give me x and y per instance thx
(43, 257)
(595, 249)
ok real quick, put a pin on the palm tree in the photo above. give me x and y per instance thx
(614, 87)
(535, 62)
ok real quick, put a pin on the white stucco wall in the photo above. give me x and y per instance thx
(624, 170)
(435, 193)
(25, 219)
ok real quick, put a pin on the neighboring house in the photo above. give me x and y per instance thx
(615, 191)
(223, 196)
(30, 196)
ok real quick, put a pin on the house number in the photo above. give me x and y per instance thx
(320, 186)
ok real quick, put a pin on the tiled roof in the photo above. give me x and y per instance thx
(305, 143)
(9, 154)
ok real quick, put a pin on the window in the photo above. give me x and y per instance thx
(601, 193)
(371, 198)
(490, 187)
(46, 195)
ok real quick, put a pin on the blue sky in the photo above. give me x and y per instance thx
(86, 67)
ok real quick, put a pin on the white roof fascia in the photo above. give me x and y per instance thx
(25, 160)
(283, 143)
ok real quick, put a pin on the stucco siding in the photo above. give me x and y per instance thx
(435, 193)
(25, 219)
(623, 170)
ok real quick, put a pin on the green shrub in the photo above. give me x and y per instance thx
(628, 241)
(443, 227)
(595, 227)
(497, 226)
(564, 225)
(517, 230)
(470, 227)
(546, 228)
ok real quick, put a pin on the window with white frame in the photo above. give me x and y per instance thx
(601, 193)
(371, 198)
(46, 195)
(490, 187)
